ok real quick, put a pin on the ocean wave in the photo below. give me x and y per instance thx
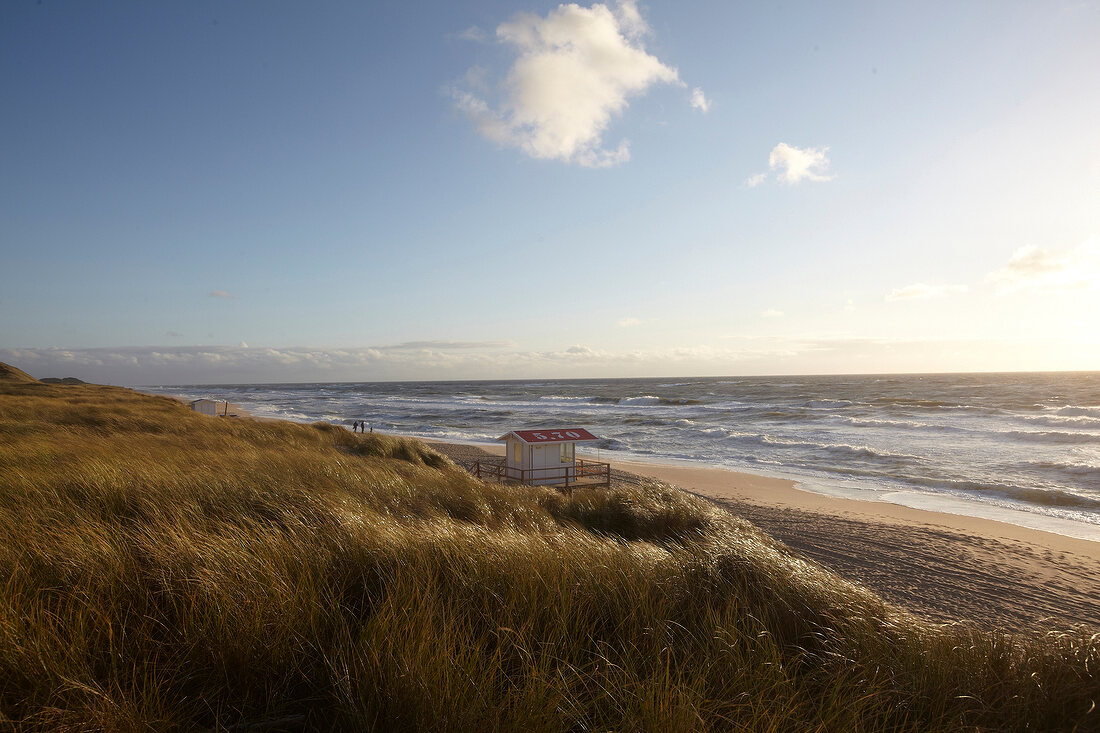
(732, 405)
(864, 422)
(1051, 436)
(644, 400)
(1076, 470)
(1079, 411)
(640, 400)
(612, 444)
(912, 403)
(1025, 494)
(850, 451)
(915, 425)
(1052, 497)
(1064, 421)
(644, 420)
(865, 451)
(826, 404)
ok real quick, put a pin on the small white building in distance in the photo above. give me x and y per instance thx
(549, 457)
(206, 407)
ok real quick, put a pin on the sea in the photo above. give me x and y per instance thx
(1022, 448)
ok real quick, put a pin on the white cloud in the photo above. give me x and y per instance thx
(699, 100)
(630, 19)
(573, 72)
(222, 294)
(628, 322)
(793, 165)
(923, 291)
(771, 313)
(408, 360)
(444, 344)
(175, 365)
(756, 180)
(1036, 268)
(475, 34)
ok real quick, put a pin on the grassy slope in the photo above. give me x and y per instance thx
(164, 568)
(11, 375)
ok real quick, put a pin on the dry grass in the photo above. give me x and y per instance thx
(165, 570)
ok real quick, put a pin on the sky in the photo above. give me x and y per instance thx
(212, 192)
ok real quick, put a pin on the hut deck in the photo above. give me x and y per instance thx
(582, 473)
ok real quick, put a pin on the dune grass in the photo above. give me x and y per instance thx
(170, 571)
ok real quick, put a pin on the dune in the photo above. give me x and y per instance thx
(12, 375)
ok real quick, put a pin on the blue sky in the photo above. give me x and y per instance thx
(207, 192)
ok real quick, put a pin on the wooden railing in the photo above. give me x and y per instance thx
(588, 473)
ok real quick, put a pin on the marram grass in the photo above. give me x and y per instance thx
(163, 570)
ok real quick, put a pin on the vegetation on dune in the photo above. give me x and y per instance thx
(11, 375)
(169, 570)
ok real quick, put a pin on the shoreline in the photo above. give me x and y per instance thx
(727, 484)
(764, 488)
(948, 568)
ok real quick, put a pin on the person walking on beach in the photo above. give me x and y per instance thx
(355, 427)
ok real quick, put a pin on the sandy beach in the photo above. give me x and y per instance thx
(945, 567)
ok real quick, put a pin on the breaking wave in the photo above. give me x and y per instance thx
(642, 400)
(1087, 471)
(1078, 411)
(1064, 421)
(1051, 436)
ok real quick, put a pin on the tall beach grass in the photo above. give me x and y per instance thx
(164, 570)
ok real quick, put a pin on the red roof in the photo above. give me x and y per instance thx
(552, 435)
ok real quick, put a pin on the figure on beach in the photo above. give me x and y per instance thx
(355, 427)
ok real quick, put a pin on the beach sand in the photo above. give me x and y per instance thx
(942, 566)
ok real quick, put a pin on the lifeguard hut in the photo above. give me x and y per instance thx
(547, 456)
(214, 408)
(206, 407)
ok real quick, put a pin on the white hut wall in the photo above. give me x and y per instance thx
(547, 465)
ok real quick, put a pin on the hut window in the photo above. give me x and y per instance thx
(517, 452)
(567, 452)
